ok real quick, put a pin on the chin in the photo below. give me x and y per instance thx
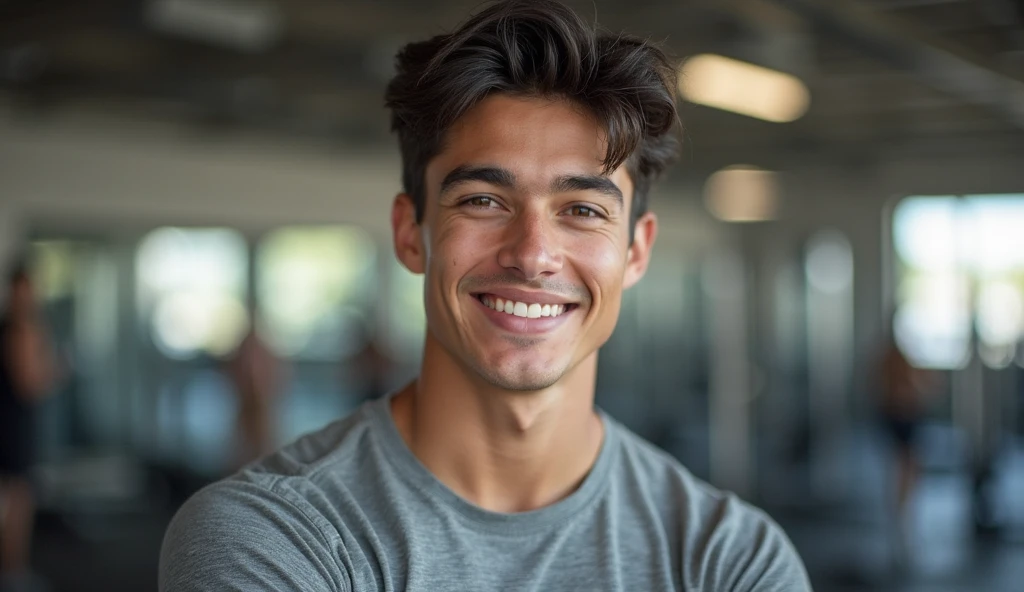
(522, 379)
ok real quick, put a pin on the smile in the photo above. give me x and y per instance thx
(529, 310)
(525, 316)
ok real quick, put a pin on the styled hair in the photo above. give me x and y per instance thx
(536, 48)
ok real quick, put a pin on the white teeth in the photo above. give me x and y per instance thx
(522, 309)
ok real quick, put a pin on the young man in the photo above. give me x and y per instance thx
(528, 144)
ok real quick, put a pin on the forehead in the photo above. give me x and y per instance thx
(537, 139)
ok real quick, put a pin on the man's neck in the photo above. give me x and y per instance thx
(503, 451)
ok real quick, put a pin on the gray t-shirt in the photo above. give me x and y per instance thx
(351, 508)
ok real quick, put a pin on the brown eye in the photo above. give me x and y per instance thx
(582, 212)
(480, 201)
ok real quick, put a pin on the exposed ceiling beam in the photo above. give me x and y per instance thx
(903, 4)
(1008, 16)
(954, 70)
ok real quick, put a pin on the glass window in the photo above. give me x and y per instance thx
(192, 289)
(53, 268)
(961, 261)
(315, 287)
(995, 256)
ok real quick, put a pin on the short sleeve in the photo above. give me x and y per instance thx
(746, 551)
(236, 536)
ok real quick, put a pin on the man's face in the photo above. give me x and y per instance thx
(524, 242)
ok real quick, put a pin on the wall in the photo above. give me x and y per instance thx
(81, 172)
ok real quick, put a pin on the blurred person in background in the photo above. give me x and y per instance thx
(27, 374)
(903, 403)
(529, 142)
(374, 367)
(257, 376)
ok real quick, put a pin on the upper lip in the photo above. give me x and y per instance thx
(523, 296)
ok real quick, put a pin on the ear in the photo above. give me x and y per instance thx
(407, 234)
(639, 254)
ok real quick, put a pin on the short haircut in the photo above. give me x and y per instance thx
(537, 48)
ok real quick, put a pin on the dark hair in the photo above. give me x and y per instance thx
(536, 48)
(18, 272)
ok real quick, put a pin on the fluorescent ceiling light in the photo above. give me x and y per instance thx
(742, 193)
(248, 25)
(732, 85)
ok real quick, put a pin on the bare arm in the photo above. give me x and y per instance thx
(30, 360)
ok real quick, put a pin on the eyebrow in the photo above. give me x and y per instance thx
(501, 177)
(597, 183)
(485, 174)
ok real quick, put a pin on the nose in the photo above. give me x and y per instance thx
(531, 246)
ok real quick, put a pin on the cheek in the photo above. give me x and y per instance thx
(452, 254)
(603, 264)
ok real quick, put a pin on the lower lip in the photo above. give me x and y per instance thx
(523, 325)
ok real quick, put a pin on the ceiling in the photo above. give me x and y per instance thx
(926, 74)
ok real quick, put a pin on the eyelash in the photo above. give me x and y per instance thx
(490, 202)
(594, 213)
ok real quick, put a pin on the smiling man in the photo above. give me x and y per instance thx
(529, 143)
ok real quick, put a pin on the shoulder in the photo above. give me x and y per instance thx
(238, 508)
(739, 547)
(725, 542)
(236, 534)
(263, 528)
